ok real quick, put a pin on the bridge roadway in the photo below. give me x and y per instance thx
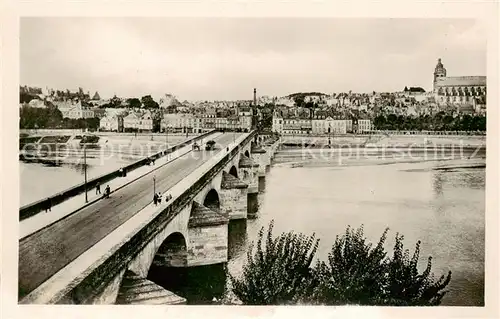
(45, 252)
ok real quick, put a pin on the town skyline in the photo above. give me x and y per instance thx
(224, 59)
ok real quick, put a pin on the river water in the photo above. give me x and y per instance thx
(444, 208)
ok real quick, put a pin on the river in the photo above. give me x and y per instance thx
(444, 208)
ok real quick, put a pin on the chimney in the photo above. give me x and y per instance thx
(254, 97)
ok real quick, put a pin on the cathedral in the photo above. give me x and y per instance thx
(469, 90)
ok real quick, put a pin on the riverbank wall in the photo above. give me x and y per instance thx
(381, 140)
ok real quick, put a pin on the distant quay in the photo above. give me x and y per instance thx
(369, 140)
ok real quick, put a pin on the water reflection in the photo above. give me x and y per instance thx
(237, 238)
(199, 285)
(262, 184)
(252, 205)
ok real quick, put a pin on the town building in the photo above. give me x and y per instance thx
(146, 122)
(76, 111)
(363, 126)
(181, 122)
(111, 123)
(328, 125)
(132, 122)
(458, 89)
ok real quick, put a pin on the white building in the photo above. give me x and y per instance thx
(329, 125)
(277, 124)
(111, 123)
(245, 123)
(181, 122)
(77, 111)
(364, 126)
(146, 122)
(132, 121)
(37, 103)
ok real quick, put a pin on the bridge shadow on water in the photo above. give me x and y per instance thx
(201, 284)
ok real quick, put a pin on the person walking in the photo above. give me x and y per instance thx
(168, 197)
(48, 206)
(159, 198)
(155, 199)
(98, 188)
(107, 191)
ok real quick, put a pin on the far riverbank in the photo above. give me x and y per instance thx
(382, 140)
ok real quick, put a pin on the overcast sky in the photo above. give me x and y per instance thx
(223, 58)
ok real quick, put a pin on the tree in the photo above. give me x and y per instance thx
(356, 273)
(280, 274)
(299, 100)
(404, 286)
(31, 117)
(134, 103)
(149, 103)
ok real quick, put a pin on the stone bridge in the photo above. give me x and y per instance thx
(189, 230)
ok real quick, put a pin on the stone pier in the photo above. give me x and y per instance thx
(234, 197)
(207, 236)
(249, 172)
(259, 155)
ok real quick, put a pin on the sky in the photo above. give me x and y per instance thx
(225, 58)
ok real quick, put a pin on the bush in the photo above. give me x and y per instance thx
(279, 275)
(355, 273)
(405, 286)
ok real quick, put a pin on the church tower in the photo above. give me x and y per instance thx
(439, 72)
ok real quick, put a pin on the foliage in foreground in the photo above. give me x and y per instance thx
(280, 274)
(355, 273)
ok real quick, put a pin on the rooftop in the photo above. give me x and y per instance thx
(462, 81)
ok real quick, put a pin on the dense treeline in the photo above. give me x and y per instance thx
(26, 97)
(146, 102)
(50, 118)
(438, 122)
(281, 271)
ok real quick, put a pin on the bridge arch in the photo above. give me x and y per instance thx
(169, 262)
(233, 171)
(212, 200)
(172, 252)
(247, 154)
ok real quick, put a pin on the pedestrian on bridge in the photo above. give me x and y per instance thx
(98, 188)
(168, 197)
(159, 198)
(155, 199)
(48, 205)
(107, 191)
